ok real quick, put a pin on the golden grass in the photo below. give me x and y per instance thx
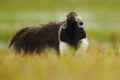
(100, 63)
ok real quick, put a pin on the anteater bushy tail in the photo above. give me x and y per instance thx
(16, 36)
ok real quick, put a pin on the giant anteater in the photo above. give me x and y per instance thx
(36, 39)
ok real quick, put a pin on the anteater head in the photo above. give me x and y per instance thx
(74, 26)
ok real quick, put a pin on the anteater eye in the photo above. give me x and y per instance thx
(81, 23)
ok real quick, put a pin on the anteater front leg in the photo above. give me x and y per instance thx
(57, 49)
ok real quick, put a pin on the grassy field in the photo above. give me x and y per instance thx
(101, 22)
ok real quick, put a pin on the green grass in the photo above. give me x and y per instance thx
(53, 5)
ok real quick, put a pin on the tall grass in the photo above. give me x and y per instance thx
(96, 64)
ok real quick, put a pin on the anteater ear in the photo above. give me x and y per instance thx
(64, 25)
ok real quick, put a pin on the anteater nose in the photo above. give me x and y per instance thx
(81, 23)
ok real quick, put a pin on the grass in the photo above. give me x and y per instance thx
(53, 5)
(96, 64)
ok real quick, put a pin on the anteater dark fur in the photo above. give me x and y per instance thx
(36, 39)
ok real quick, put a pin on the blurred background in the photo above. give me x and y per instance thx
(101, 17)
(102, 25)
